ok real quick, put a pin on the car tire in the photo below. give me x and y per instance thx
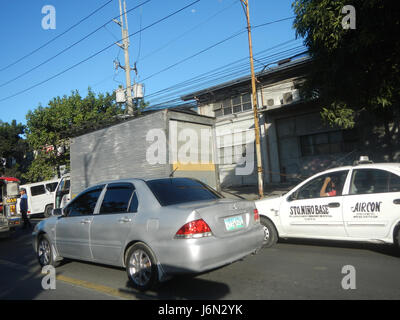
(47, 211)
(141, 267)
(270, 233)
(397, 237)
(44, 252)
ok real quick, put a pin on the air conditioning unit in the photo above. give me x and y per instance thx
(287, 97)
(270, 102)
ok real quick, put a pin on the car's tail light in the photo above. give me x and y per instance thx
(194, 229)
(256, 215)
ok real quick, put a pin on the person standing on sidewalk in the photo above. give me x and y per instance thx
(23, 207)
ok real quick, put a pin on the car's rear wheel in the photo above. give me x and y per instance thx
(45, 252)
(141, 267)
(270, 233)
(47, 211)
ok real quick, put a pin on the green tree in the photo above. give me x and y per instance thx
(13, 148)
(355, 73)
(49, 128)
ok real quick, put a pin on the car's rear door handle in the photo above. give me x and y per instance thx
(396, 201)
(124, 220)
(334, 205)
(86, 221)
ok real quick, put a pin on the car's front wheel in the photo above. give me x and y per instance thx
(397, 237)
(141, 267)
(270, 233)
(45, 252)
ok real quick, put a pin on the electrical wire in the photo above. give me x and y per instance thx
(66, 49)
(276, 58)
(98, 52)
(224, 70)
(188, 31)
(211, 47)
(55, 38)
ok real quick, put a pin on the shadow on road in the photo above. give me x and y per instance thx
(181, 288)
(386, 249)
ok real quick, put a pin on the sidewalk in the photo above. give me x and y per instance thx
(251, 192)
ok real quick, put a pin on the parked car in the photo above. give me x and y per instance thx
(356, 203)
(153, 228)
(40, 197)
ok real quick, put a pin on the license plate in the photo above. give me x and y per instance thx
(234, 223)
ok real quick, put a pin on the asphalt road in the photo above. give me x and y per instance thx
(290, 270)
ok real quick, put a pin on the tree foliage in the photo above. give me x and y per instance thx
(49, 128)
(13, 148)
(355, 73)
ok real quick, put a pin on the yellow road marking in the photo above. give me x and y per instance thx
(94, 286)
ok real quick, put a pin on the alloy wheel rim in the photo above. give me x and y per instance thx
(266, 233)
(44, 252)
(140, 267)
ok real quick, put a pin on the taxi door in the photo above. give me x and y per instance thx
(373, 204)
(307, 214)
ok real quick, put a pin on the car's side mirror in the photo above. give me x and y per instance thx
(58, 212)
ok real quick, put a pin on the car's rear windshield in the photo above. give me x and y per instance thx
(180, 190)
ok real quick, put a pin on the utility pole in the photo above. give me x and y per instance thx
(245, 4)
(127, 68)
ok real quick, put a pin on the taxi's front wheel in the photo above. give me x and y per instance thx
(397, 237)
(270, 233)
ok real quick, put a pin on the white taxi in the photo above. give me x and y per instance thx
(355, 203)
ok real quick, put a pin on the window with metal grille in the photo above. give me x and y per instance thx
(235, 104)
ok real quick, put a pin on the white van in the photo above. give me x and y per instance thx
(40, 196)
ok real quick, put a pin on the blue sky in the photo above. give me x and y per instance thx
(156, 48)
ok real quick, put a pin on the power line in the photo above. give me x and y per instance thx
(238, 71)
(212, 46)
(66, 49)
(176, 97)
(195, 55)
(188, 31)
(218, 70)
(55, 38)
(97, 53)
(222, 70)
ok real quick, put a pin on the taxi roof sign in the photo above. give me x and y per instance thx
(362, 160)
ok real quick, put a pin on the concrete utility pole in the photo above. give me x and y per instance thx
(127, 68)
(245, 4)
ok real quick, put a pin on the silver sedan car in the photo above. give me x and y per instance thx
(153, 228)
